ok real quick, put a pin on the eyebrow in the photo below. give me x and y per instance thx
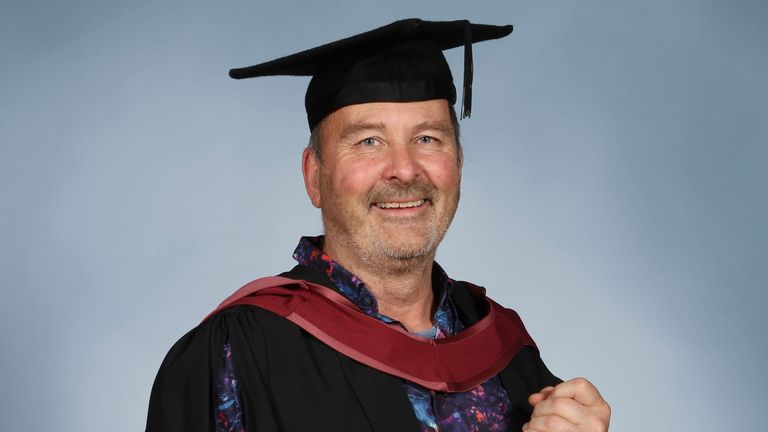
(355, 128)
(439, 126)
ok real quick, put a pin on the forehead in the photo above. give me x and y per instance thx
(394, 115)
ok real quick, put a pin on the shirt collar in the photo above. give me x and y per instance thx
(309, 253)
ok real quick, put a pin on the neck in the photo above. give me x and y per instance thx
(402, 288)
(407, 298)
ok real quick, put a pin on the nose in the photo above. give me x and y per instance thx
(403, 165)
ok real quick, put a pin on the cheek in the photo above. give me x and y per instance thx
(444, 173)
(355, 179)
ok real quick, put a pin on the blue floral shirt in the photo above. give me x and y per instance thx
(483, 408)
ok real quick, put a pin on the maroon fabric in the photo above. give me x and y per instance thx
(452, 364)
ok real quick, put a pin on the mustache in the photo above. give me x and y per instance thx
(388, 192)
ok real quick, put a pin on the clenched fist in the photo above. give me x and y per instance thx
(571, 406)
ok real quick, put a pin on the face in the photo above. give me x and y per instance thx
(388, 183)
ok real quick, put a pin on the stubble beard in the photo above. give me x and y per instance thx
(373, 243)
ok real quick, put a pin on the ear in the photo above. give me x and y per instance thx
(310, 167)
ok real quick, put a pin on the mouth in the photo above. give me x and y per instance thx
(400, 205)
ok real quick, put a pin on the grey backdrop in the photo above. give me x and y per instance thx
(614, 192)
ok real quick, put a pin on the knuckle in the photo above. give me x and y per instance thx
(606, 408)
(550, 422)
(581, 383)
(560, 404)
(601, 425)
(598, 423)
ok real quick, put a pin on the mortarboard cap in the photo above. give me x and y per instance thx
(400, 62)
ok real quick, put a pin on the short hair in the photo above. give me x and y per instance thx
(316, 136)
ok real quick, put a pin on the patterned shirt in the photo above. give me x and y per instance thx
(483, 408)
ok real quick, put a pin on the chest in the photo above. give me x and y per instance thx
(301, 384)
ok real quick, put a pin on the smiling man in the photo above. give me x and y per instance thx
(367, 332)
(388, 188)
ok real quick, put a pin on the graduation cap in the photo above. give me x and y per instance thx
(400, 62)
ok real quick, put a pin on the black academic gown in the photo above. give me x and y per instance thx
(290, 381)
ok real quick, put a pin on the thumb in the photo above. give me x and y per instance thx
(541, 395)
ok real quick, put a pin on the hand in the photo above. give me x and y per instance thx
(571, 406)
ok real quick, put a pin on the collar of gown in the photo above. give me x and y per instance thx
(451, 364)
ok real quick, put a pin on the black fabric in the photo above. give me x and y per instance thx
(292, 382)
(399, 62)
(302, 272)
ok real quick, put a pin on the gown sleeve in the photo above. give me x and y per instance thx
(526, 374)
(194, 382)
(187, 389)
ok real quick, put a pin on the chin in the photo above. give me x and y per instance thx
(406, 249)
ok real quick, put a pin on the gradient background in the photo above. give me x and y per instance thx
(615, 192)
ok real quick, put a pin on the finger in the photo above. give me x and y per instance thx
(549, 424)
(594, 417)
(543, 394)
(580, 390)
(563, 407)
(527, 428)
(547, 389)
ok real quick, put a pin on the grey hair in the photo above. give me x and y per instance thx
(316, 140)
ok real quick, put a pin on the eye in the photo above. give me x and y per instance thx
(425, 139)
(367, 142)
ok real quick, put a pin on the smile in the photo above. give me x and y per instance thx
(396, 205)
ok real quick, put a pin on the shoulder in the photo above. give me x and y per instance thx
(472, 304)
(526, 369)
(200, 348)
(182, 395)
(236, 322)
(208, 337)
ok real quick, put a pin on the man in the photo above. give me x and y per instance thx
(368, 332)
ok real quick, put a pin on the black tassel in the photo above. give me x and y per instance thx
(466, 98)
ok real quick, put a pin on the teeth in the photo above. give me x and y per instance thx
(408, 204)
